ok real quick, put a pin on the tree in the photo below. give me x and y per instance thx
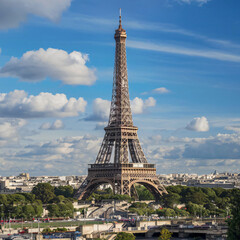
(199, 198)
(29, 211)
(18, 198)
(125, 236)
(44, 192)
(38, 208)
(66, 191)
(171, 199)
(3, 199)
(53, 210)
(29, 197)
(165, 234)
(143, 193)
(234, 223)
(58, 199)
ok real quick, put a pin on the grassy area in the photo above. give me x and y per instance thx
(51, 224)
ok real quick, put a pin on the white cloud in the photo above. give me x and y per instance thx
(139, 105)
(79, 151)
(58, 124)
(223, 146)
(18, 104)
(205, 53)
(161, 90)
(190, 155)
(13, 12)
(101, 110)
(9, 130)
(199, 124)
(57, 64)
(198, 155)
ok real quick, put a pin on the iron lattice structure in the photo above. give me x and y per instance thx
(121, 139)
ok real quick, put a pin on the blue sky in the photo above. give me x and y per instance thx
(56, 67)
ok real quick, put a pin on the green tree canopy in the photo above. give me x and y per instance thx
(171, 199)
(44, 192)
(234, 223)
(143, 193)
(66, 191)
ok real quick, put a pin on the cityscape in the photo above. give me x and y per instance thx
(25, 183)
(119, 126)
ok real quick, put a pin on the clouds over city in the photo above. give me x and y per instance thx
(171, 155)
(56, 155)
(18, 104)
(223, 146)
(14, 12)
(195, 154)
(56, 64)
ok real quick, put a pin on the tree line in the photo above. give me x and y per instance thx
(57, 200)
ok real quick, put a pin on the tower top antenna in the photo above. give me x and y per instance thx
(120, 17)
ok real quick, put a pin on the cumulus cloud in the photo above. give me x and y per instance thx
(139, 105)
(13, 12)
(19, 105)
(101, 110)
(199, 124)
(161, 90)
(58, 124)
(9, 130)
(57, 64)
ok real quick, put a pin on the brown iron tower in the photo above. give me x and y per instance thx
(121, 139)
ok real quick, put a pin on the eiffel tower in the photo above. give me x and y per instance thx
(121, 139)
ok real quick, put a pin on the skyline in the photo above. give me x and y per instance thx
(56, 69)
